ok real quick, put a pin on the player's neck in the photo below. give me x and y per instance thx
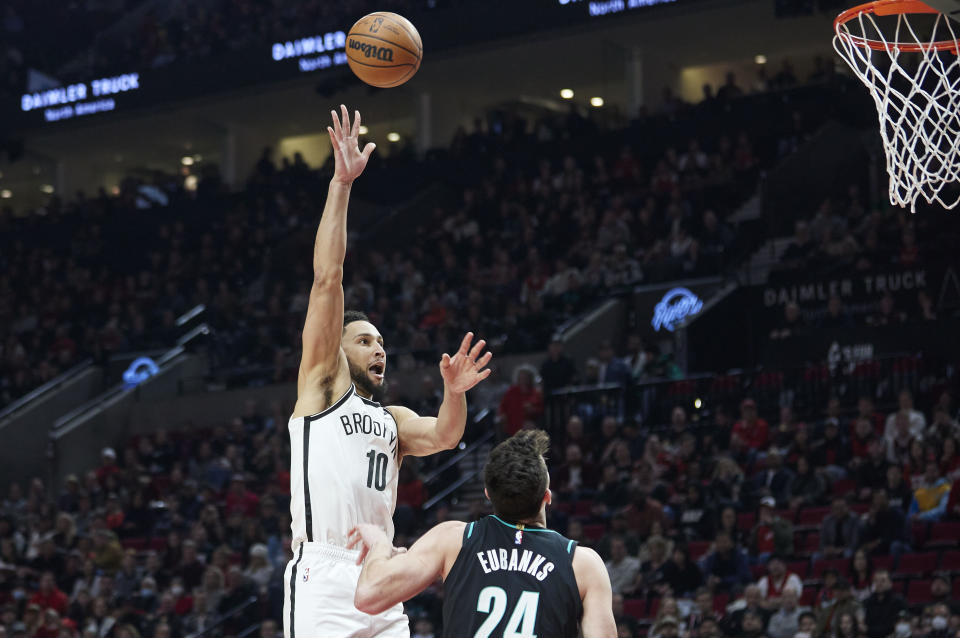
(540, 520)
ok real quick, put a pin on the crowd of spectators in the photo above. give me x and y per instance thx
(840, 522)
(105, 274)
(161, 540)
(845, 240)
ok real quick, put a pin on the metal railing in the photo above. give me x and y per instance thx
(44, 389)
(474, 449)
(650, 402)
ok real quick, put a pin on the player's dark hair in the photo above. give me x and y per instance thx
(353, 315)
(516, 475)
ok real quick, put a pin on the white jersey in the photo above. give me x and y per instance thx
(343, 470)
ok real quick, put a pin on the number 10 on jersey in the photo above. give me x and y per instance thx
(377, 470)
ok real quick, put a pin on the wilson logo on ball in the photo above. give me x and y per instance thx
(384, 54)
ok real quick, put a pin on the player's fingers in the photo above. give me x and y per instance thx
(355, 131)
(477, 349)
(336, 125)
(465, 344)
(484, 360)
(346, 119)
(368, 150)
(445, 360)
(483, 375)
(333, 139)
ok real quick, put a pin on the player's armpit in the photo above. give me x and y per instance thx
(384, 582)
(594, 584)
(419, 435)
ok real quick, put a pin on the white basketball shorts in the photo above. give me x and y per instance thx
(319, 584)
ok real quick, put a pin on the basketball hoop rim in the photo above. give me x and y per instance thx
(888, 8)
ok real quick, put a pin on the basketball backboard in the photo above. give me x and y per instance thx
(950, 8)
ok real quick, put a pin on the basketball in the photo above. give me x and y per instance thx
(384, 49)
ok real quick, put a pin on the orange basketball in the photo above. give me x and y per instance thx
(384, 49)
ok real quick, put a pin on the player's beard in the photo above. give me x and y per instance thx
(365, 384)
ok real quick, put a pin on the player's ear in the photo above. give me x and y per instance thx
(548, 497)
(486, 493)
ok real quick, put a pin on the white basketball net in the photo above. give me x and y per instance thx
(917, 94)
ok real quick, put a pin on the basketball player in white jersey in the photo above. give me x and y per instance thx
(345, 447)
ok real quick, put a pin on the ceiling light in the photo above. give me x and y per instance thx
(6, 193)
(47, 188)
(363, 129)
(186, 160)
(760, 59)
(596, 101)
(697, 403)
(566, 94)
(393, 137)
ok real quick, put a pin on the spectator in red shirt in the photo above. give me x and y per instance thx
(521, 402)
(752, 431)
(49, 596)
(240, 500)
(410, 489)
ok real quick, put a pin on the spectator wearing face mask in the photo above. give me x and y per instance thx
(904, 626)
(939, 622)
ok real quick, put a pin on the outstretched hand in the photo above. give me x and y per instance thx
(349, 160)
(463, 370)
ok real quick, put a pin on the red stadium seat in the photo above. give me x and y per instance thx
(798, 567)
(917, 563)
(844, 486)
(698, 549)
(919, 533)
(561, 506)
(808, 544)
(158, 544)
(138, 543)
(883, 562)
(809, 595)
(950, 561)
(636, 607)
(944, 535)
(918, 592)
(594, 532)
(812, 516)
(652, 607)
(720, 602)
(956, 589)
(746, 521)
(583, 508)
(842, 566)
(860, 508)
(758, 571)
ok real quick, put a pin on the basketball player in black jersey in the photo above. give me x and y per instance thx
(504, 575)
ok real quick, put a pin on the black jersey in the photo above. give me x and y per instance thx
(510, 580)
